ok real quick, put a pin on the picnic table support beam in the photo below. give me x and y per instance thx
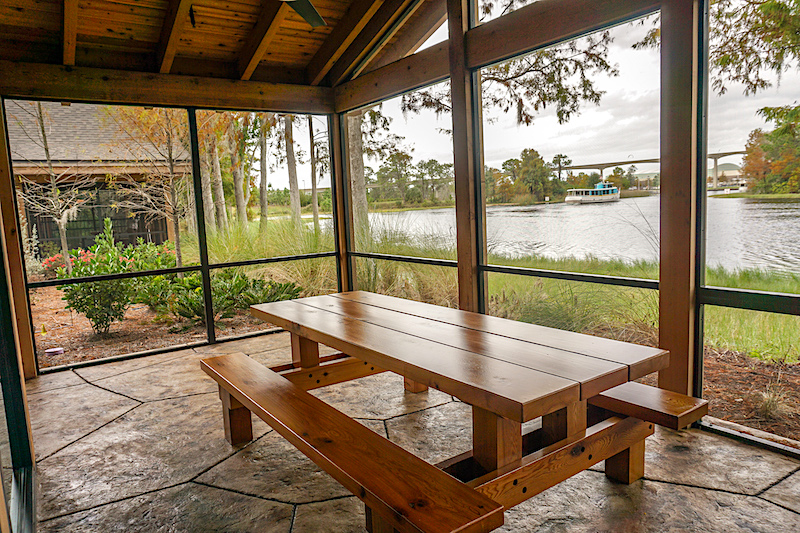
(496, 441)
(414, 386)
(376, 524)
(628, 465)
(305, 352)
(563, 423)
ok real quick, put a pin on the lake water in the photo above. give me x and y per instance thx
(741, 232)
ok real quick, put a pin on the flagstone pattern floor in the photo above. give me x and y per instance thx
(138, 445)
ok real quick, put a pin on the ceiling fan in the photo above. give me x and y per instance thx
(307, 11)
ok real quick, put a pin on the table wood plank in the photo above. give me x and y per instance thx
(595, 375)
(507, 389)
(641, 360)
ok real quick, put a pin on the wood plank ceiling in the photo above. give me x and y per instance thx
(260, 40)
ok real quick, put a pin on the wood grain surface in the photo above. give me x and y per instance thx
(408, 493)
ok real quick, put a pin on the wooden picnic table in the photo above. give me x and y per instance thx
(509, 372)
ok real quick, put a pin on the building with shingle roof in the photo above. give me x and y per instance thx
(82, 140)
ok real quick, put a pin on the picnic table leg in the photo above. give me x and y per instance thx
(561, 424)
(236, 419)
(376, 524)
(414, 386)
(305, 352)
(496, 441)
(628, 465)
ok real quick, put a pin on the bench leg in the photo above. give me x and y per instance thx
(414, 386)
(236, 419)
(628, 465)
(376, 524)
(496, 441)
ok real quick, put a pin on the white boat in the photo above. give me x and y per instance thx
(602, 192)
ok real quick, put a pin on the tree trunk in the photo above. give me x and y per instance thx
(358, 185)
(238, 176)
(191, 214)
(291, 163)
(216, 185)
(314, 204)
(208, 200)
(62, 233)
(263, 199)
(176, 223)
(61, 218)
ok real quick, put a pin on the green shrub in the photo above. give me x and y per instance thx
(102, 302)
(231, 291)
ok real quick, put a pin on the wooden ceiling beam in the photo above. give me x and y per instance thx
(412, 72)
(177, 14)
(60, 83)
(428, 19)
(372, 38)
(70, 31)
(530, 28)
(264, 32)
(358, 15)
(545, 23)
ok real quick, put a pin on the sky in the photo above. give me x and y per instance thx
(623, 127)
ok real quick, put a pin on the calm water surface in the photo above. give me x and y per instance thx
(741, 232)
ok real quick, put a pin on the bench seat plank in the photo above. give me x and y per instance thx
(511, 391)
(665, 408)
(595, 375)
(409, 493)
(641, 360)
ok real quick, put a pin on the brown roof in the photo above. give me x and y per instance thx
(211, 37)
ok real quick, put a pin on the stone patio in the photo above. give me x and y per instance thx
(138, 446)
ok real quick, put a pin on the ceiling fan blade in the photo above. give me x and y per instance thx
(307, 11)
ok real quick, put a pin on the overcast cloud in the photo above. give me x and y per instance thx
(624, 126)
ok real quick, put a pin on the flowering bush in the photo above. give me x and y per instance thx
(52, 264)
(102, 302)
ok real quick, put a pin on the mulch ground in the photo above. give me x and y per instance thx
(740, 389)
(58, 327)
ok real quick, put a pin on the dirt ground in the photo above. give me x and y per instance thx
(740, 389)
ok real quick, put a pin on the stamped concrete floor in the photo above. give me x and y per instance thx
(138, 446)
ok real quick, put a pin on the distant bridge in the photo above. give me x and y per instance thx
(602, 166)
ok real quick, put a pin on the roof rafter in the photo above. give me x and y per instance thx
(429, 18)
(264, 32)
(357, 16)
(70, 31)
(177, 13)
(381, 27)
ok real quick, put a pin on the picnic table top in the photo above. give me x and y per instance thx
(517, 370)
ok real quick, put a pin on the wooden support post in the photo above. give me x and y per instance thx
(236, 418)
(13, 251)
(496, 441)
(341, 192)
(413, 386)
(305, 353)
(70, 28)
(680, 136)
(466, 114)
(563, 423)
(628, 465)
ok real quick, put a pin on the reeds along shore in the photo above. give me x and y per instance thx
(619, 312)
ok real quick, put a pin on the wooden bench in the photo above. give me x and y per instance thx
(665, 408)
(407, 493)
